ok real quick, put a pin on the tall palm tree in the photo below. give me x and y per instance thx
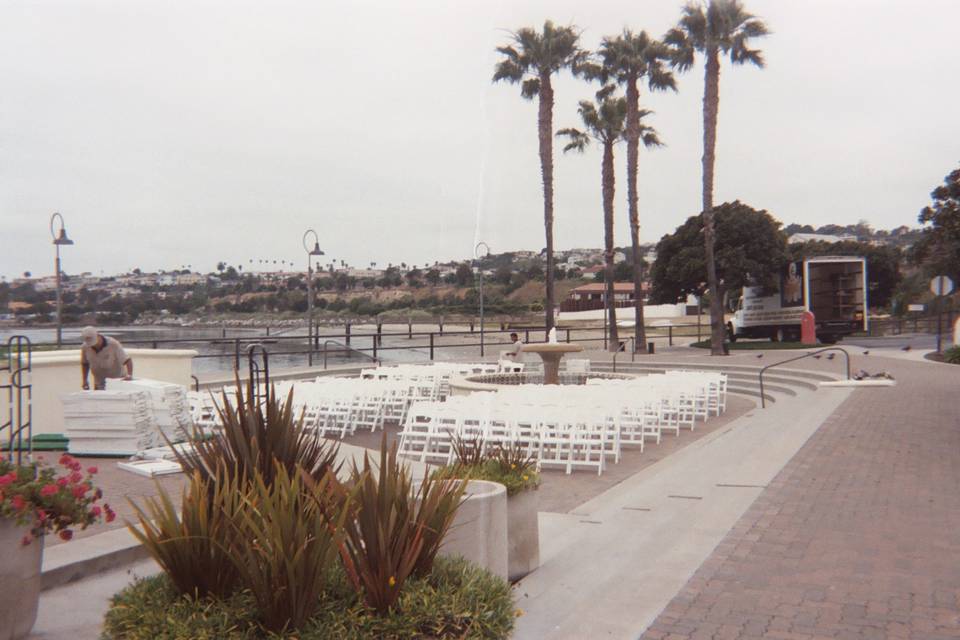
(605, 122)
(722, 27)
(532, 60)
(627, 60)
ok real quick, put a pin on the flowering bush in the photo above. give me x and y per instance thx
(37, 496)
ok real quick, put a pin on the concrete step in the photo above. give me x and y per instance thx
(745, 377)
(731, 368)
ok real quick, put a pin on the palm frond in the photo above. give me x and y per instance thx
(530, 88)
(578, 139)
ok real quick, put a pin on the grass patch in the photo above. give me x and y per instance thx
(758, 345)
(456, 600)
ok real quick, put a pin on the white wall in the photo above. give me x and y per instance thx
(55, 373)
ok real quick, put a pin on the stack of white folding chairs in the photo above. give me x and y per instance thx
(567, 426)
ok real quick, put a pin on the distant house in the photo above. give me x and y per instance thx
(820, 237)
(592, 296)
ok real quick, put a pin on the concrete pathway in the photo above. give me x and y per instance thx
(610, 567)
(855, 538)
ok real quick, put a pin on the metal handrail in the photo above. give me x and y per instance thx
(763, 398)
(347, 348)
(633, 352)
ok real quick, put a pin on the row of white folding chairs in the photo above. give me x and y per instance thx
(555, 435)
(341, 406)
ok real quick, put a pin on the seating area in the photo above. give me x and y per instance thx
(567, 426)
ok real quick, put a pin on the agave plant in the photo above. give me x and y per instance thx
(256, 437)
(289, 536)
(193, 546)
(395, 531)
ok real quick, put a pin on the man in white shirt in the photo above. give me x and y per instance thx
(104, 357)
(516, 353)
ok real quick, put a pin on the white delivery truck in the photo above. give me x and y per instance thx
(833, 288)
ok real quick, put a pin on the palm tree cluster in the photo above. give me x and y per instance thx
(629, 61)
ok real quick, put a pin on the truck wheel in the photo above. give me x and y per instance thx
(731, 336)
(777, 335)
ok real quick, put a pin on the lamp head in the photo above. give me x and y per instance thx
(316, 250)
(62, 238)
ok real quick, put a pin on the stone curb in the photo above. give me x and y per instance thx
(83, 557)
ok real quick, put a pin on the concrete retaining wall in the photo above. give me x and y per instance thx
(55, 373)
(479, 532)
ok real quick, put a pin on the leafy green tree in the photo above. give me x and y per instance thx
(532, 60)
(939, 247)
(628, 60)
(464, 275)
(750, 251)
(605, 122)
(883, 264)
(433, 277)
(720, 27)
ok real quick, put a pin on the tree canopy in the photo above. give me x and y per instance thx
(939, 247)
(750, 250)
(883, 264)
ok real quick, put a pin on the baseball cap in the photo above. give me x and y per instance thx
(89, 336)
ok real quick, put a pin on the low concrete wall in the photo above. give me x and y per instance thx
(523, 534)
(479, 532)
(55, 373)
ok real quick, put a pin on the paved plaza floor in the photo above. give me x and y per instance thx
(857, 537)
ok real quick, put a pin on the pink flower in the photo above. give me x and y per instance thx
(75, 477)
(78, 491)
(66, 534)
(18, 503)
(66, 459)
(110, 514)
(49, 490)
(62, 482)
(41, 515)
(96, 511)
(92, 470)
(8, 478)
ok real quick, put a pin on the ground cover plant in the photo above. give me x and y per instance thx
(456, 600)
(268, 542)
(952, 355)
(509, 464)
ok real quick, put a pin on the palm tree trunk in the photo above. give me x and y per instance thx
(545, 124)
(607, 180)
(633, 156)
(711, 106)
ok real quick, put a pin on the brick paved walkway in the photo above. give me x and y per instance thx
(857, 537)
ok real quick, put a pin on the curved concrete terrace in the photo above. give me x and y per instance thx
(673, 585)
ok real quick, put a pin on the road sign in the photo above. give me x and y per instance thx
(915, 307)
(941, 285)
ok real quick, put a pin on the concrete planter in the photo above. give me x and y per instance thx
(479, 531)
(19, 581)
(523, 534)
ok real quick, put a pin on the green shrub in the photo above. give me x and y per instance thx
(952, 355)
(288, 538)
(491, 470)
(395, 531)
(255, 437)
(511, 465)
(193, 546)
(456, 600)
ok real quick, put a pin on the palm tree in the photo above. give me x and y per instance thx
(532, 60)
(606, 123)
(628, 59)
(723, 27)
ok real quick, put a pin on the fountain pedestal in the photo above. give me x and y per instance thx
(551, 353)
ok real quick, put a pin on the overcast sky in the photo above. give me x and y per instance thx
(188, 132)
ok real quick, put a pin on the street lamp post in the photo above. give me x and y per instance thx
(315, 251)
(59, 239)
(479, 252)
